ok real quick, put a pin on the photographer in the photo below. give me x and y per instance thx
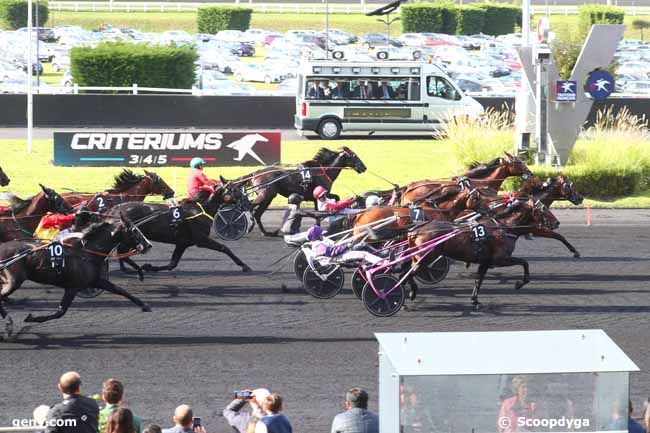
(239, 419)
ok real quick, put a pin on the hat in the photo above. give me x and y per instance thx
(372, 200)
(40, 414)
(314, 233)
(261, 394)
(319, 191)
(195, 162)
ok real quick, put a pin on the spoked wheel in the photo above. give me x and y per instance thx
(324, 289)
(93, 292)
(300, 264)
(230, 223)
(388, 298)
(434, 272)
(358, 281)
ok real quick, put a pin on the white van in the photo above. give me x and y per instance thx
(335, 96)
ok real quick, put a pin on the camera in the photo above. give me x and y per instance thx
(244, 394)
(196, 422)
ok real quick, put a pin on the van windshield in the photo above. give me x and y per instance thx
(364, 88)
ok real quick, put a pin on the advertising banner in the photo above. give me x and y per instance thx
(160, 148)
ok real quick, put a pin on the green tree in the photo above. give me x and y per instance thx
(641, 25)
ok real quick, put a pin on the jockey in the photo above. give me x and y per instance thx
(198, 181)
(330, 205)
(51, 224)
(347, 252)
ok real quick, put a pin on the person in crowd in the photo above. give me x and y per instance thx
(325, 204)
(40, 415)
(197, 180)
(274, 421)
(315, 91)
(120, 420)
(74, 406)
(240, 419)
(363, 91)
(645, 416)
(356, 418)
(182, 420)
(340, 91)
(327, 91)
(385, 91)
(152, 428)
(515, 406)
(327, 248)
(633, 426)
(113, 396)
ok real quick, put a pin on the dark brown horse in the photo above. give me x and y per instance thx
(127, 186)
(322, 170)
(4, 179)
(23, 216)
(489, 242)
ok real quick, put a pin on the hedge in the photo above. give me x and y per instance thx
(500, 19)
(13, 13)
(438, 17)
(120, 64)
(213, 19)
(589, 14)
(469, 20)
(445, 17)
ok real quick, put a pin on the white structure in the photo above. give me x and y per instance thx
(474, 382)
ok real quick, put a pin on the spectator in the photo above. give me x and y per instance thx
(357, 418)
(239, 419)
(633, 426)
(183, 421)
(120, 420)
(315, 91)
(385, 91)
(152, 428)
(113, 395)
(40, 415)
(327, 91)
(645, 416)
(340, 91)
(75, 406)
(363, 91)
(516, 406)
(273, 421)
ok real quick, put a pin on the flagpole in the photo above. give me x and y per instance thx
(30, 66)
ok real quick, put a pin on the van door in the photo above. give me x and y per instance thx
(442, 97)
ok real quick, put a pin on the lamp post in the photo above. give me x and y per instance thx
(327, 29)
(30, 96)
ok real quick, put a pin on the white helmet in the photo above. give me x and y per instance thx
(372, 200)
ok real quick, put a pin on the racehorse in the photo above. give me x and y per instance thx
(4, 179)
(23, 216)
(488, 177)
(127, 186)
(322, 170)
(184, 226)
(488, 241)
(80, 264)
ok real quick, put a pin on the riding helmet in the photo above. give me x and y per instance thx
(314, 233)
(195, 162)
(372, 200)
(319, 191)
(295, 198)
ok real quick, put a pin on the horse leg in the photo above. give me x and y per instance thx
(406, 267)
(176, 257)
(554, 235)
(110, 287)
(512, 261)
(66, 301)
(482, 270)
(9, 283)
(216, 246)
(133, 265)
(260, 207)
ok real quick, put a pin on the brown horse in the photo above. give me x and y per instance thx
(488, 177)
(127, 186)
(322, 170)
(489, 242)
(23, 216)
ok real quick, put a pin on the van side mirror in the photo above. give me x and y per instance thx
(457, 95)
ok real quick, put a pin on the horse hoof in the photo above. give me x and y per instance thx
(519, 285)
(467, 265)
(412, 295)
(140, 276)
(146, 268)
(146, 309)
(9, 327)
(576, 255)
(29, 318)
(246, 268)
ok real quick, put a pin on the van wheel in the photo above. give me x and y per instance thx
(329, 129)
(417, 55)
(267, 80)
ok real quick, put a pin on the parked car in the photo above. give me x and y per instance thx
(44, 34)
(240, 49)
(372, 40)
(60, 63)
(257, 72)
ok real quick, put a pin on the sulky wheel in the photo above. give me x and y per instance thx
(300, 264)
(324, 289)
(358, 281)
(230, 223)
(433, 271)
(388, 297)
(93, 292)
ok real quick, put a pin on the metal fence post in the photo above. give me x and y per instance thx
(135, 88)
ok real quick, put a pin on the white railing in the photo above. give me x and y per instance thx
(132, 90)
(20, 429)
(299, 8)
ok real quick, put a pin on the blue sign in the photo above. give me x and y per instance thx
(565, 91)
(600, 84)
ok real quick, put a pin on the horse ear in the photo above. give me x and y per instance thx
(45, 189)
(148, 173)
(223, 179)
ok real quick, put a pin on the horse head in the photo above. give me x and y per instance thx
(55, 203)
(568, 189)
(4, 179)
(542, 215)
(350, 159)
(130, 235)
(516, 167)
(159, 186)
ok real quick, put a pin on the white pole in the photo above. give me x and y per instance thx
(30, 96)
(525, 23)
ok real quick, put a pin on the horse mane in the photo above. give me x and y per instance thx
(478, 170)
(92, 230)
(125, 180)
(17, 204)
(324, 156)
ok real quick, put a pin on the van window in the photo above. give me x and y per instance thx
(440, 88)
(366, 88)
